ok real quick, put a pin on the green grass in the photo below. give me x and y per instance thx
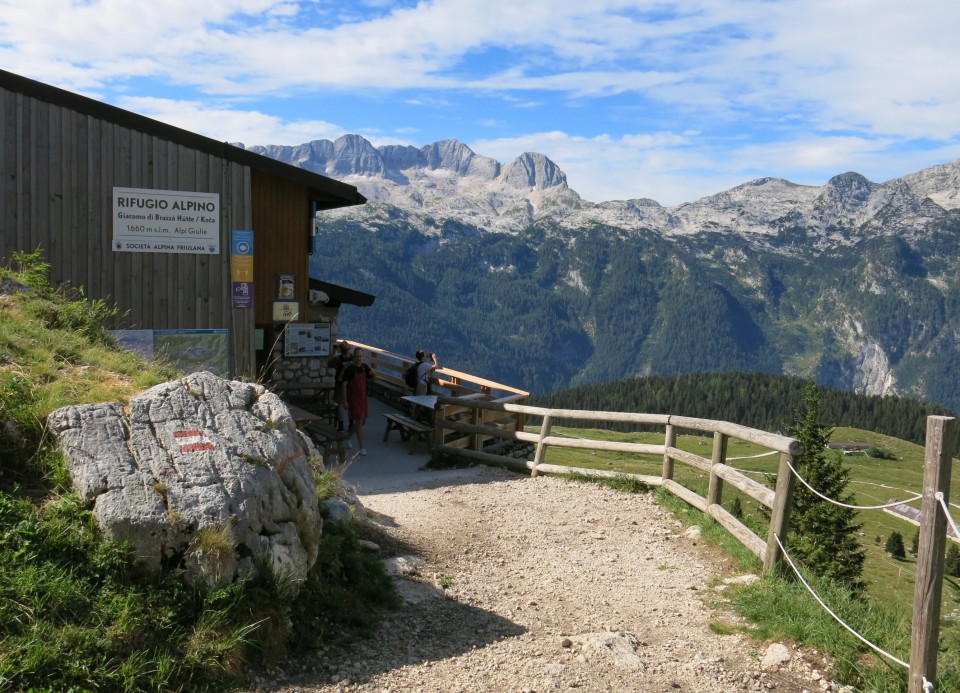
(76, 613)
(783, 609)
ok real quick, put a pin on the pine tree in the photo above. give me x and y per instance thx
(822, 535)
(736, 508)
(951, 564)
(915, 543)
(894, 546)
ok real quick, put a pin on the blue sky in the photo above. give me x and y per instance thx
(664, 100)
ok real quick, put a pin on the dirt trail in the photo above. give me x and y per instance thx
(520, 584)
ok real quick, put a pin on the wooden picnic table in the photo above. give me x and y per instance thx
(324, 435)
(423, 405)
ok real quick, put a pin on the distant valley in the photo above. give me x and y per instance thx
(504, 271)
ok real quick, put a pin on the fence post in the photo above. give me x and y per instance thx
(541, 448)
(928, 591)
(780, 513)
(715, 489)
(669, 441)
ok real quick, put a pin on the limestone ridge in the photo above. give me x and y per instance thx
(447, 181)
(444, 178)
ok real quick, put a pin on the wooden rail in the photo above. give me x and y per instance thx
(473, 425)
(473, 415)
(388, 368)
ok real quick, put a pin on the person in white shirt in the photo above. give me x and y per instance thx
(427, 364)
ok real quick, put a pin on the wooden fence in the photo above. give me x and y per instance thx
(472, 426)
(474, 417)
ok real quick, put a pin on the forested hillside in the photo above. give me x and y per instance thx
(548, 308)
(759, 400)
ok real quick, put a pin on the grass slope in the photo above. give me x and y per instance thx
(75, 611)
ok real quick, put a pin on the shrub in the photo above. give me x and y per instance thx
(894, 546)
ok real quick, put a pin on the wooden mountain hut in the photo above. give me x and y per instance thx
(202, 246)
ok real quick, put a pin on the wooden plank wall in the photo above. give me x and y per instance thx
(281, 214)
(59, 168)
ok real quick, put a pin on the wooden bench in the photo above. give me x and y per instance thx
(328, 438)
(407, 428)
(320, 399)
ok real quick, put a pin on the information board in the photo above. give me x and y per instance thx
(188, 350)
(307, 339)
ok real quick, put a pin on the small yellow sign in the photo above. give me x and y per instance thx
(241, 268)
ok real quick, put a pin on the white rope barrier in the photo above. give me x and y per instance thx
(847, 505)
(835, 617)
(753, 457)
(946, 511)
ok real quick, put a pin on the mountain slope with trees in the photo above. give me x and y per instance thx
(505, 271)
(547, 308)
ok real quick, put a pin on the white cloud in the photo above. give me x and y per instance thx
(229, 125)
(755, 87)
(880, 65)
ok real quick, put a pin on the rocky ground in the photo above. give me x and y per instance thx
(523, 585)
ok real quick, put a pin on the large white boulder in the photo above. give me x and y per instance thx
(201, 474)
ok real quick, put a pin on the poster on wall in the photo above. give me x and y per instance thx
(307, 339)
(241, 268)
(166, 221)
(189, 350)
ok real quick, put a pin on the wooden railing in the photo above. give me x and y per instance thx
(388, 368)
(475, 417)
(472, 426)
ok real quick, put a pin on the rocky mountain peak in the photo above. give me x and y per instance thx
(400, 157)
(457, 157)
(352, 154)
(939, 183)
(848, 190)
(534, 171)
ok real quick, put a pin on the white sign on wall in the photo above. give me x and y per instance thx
(307, 339)
(166, 221)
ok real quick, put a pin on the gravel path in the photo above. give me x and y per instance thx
(523, 585)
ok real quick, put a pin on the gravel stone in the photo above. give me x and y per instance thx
(540, 585)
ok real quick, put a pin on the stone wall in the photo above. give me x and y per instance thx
(314, 372)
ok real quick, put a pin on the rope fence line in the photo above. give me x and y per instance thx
(753, 457)
(847, 505)
(946, 511)
(831, 612)
(928, 686)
